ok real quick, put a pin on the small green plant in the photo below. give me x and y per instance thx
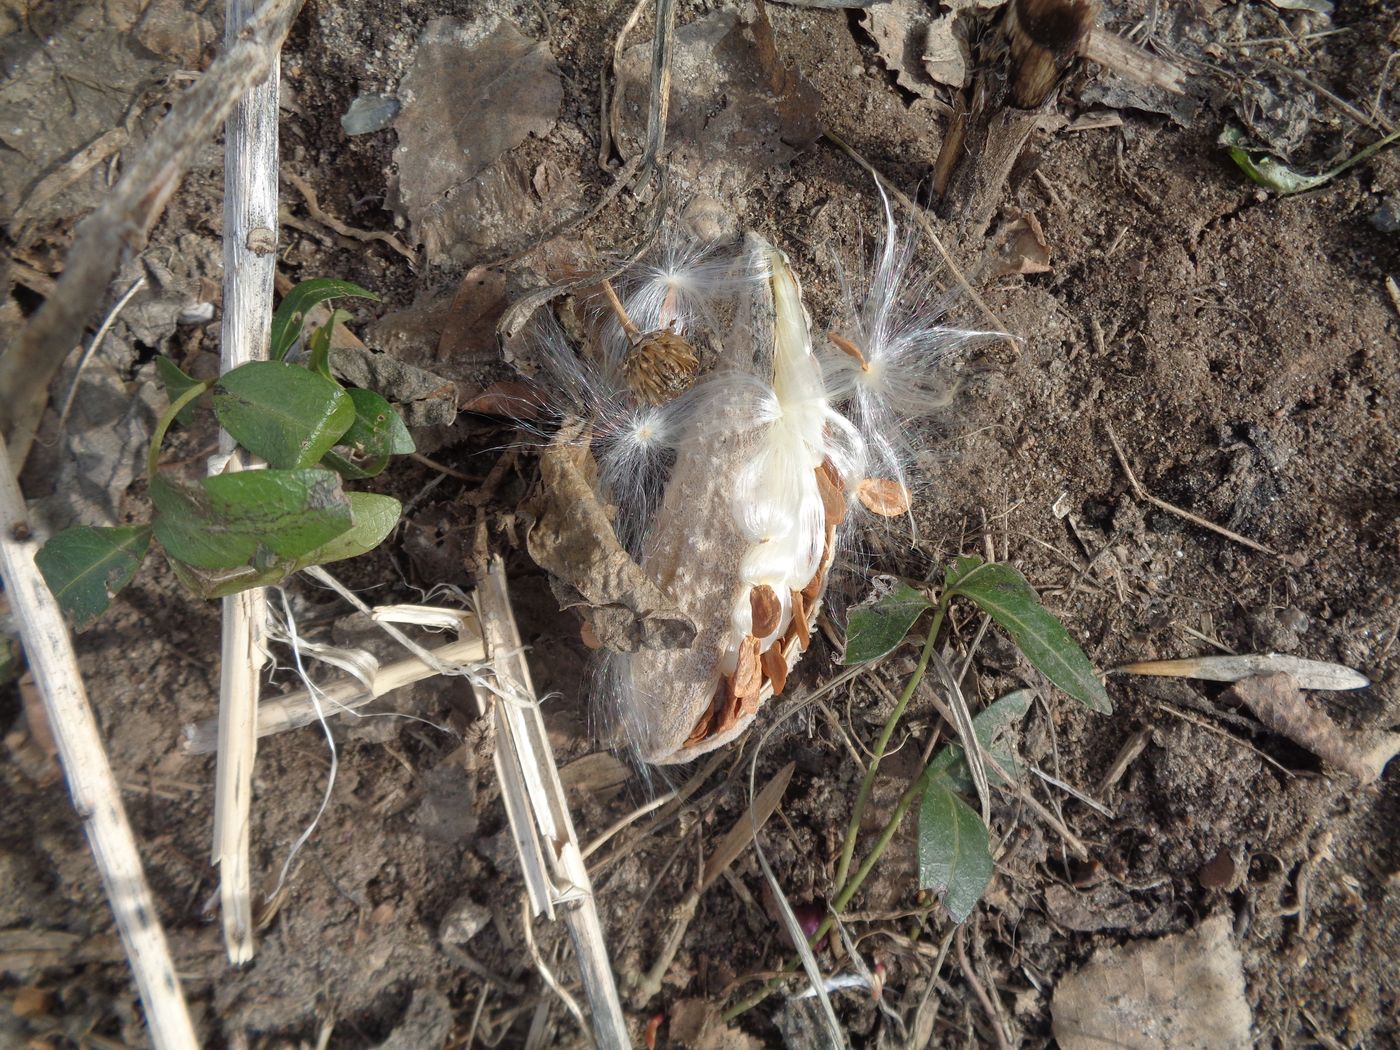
(232, 531)
(953, 841)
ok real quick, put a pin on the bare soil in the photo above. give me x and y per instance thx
(1241, 345)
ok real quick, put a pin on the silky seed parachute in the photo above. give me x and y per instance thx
(732, 452)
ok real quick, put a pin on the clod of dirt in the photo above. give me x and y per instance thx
(734, 105)
(476, 90)
(427, 1022)
(1105, 907)
(1183, 992)
(571, 537)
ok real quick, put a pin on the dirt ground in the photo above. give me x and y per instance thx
(1242, 345)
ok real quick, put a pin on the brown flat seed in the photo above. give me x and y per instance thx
(817, 583)
(745, 685)
(767, 610)
(884, 496)
(849, 349)
(799, 628)
(707, 718)
(832, 492)
(775, 667)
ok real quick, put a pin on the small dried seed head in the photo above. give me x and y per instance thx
(660, 367)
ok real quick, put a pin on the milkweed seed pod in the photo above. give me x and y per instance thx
(706, 464)
(746, 530)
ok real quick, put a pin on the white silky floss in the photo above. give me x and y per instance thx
(730, 496)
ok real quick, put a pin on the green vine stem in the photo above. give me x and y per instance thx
(847, 888)
(848, 848)
(158, 437)
(906, 801)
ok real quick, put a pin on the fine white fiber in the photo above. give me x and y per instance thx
(732, 450)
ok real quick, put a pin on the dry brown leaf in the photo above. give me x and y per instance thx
(1277, 702)
(571, 536)
(508, 398)
(696, 1025)
(766, 609)
(884, 496)
(1183, 992)
(1020, 248)
(475, 91)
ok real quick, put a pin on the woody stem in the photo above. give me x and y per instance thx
(633, 332)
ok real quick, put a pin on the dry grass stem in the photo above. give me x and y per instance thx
(96, 795)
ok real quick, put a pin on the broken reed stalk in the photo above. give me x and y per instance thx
(96, 796)
(122, 221)
(250, 262)
(555, 875)
(295, 710)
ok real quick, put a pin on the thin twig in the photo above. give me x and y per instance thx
(92, 347)
(314, 209)
(993, 1018)
(250, 262)
(1186, 515)
(96, 796)
(127, 214)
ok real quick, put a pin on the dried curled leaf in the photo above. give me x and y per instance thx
(884, 496)
(571, 537)
(1277, 702)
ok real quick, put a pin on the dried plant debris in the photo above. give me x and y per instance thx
(476, 90)
(1183, 992)
(1277, 702)
(1309, 674)
(1019, 247)
(923, 48)
(695, 1024)
(571, 535)
(734, 103)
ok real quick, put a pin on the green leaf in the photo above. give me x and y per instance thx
(954, 855)
(880, 622)
(249, 517)
(291, 313)
(375, 517)
(378, 429)
(1003, 593)
(990, 724)
(176, 383)
(1272, 173)
(318, 347)
(282, 412)
(85, 566)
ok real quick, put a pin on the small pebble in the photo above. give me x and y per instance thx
(369, 113)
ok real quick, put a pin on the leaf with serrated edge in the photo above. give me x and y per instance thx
(1003, 593)
(880, 623)
(231, 519)
(283, 413)
(954, 854)
(291, 312)
(85, 566)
